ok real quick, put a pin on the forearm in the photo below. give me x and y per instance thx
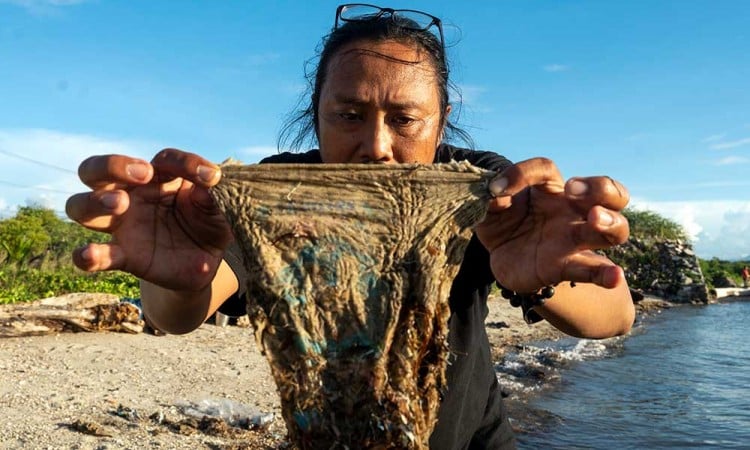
(590, 311)
(179, 312)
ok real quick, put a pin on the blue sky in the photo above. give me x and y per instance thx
(653, 93)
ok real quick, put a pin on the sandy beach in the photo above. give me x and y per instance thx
(133, 391)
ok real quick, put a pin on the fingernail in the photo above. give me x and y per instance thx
(498, 185)
(86, 253)
(110, 200)
(606, 219)
(137, 171)
(207, 174)
(578, 188)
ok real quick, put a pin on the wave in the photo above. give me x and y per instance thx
(533, 367)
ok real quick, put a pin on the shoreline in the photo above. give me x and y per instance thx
(532, 368)
(116, 390)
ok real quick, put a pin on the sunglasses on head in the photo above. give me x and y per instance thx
(408, 18)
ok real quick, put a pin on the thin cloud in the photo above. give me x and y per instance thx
(556, 68)
(39, 3)
(717, 228)
(694, 185)
(50, 175)
(471, 93)
(731, 144)
(732, 160)
(718, 184)
(39, 7)
(732, 240)
(685, 213)
(714, 138)
(470, 97)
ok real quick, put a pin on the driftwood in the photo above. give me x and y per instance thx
(350, 269)
(72, 312)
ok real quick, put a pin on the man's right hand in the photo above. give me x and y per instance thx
(164, 225)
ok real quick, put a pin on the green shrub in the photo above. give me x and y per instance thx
(714, 269)
(32, 284)
(645, 257)
(35, 259)
(650, 226)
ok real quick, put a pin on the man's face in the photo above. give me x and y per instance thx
(379, 103)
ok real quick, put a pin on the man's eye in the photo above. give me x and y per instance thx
(403, 120)
(349, 116)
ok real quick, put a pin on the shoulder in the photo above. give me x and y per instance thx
(484, 159)
(309, 157)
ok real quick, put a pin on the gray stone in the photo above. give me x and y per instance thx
(667, 269)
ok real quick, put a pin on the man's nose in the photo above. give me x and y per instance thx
(377, 144)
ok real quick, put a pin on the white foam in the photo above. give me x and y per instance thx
(533, 367)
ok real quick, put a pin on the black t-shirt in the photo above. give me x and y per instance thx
(471, 413)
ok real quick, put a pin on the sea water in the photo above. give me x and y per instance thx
(680, 380)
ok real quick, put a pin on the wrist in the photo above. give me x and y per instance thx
(528, 301)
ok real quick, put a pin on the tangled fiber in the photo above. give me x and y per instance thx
(350, 268)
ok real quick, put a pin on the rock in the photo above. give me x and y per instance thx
(637, 296)
(724, 281)
(666, 269)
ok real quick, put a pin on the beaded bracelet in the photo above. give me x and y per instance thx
(528, 301)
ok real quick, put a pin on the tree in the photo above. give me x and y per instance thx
(37, 236)
(22, 237)
(36, 245)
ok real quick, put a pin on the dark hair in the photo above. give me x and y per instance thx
(301, 126)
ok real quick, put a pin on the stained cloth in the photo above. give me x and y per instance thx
(471, 413)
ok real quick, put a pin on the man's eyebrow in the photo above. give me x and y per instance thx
(354, 101)
(350, 100)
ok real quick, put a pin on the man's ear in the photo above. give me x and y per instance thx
(445, 122)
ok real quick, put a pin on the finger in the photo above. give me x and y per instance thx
(202, 200)
(97, 257)
(590, 191)
(609, 223)
(502, 203)
(603, 229)
(172, 163)
(538, 172)
(98, 210)
(588, 267)
(114, 170)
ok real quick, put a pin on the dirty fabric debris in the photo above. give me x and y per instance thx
(350, 269)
